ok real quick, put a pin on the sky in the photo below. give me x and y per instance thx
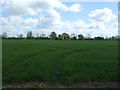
(87, 18)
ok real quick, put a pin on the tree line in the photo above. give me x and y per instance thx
(54, 36)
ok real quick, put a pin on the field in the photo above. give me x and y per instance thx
(59, 62)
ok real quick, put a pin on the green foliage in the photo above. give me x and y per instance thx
(99, 38)
(65, 36)
(59, 62)
(59, 37)
(73, 38)
(53, 35)
(80, 37)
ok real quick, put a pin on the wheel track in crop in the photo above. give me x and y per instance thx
(5, 73)
(59, 65)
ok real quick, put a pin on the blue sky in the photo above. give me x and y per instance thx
(87, 7)
(71, 17)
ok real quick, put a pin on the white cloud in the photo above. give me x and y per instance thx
(15, 20)
(102, 15)
(115, 25)
(73, 8)
(79, 24)
(93, 28)
(13, 7)
(47, 25)
(49, 20)
(19, 10)
(31, 21)
(18, 21)
(16, 25)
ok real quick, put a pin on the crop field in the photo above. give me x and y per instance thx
(59, 62)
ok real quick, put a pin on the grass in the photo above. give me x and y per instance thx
(59, 62)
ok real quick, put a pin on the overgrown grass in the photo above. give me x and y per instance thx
(59, 62)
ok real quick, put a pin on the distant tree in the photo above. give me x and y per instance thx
(117, 37)
(65, 36)
(4, 35)
(12, 38)
(88, 36)
(53, 35)
(20, 36)
(110, 38)
(59, 37)
(73, 36)
(99, 38)
(106, 38)
(80, 37)
(43, 35)
(29, 35)
(37, 36)
(0, 36)
(113, 38)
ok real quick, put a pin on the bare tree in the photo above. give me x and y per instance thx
(88, 35)
(29, 35)
(20, 36)
(4, 35)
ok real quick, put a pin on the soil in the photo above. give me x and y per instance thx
(32, 84)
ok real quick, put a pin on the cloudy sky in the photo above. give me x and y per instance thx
(94, 18)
